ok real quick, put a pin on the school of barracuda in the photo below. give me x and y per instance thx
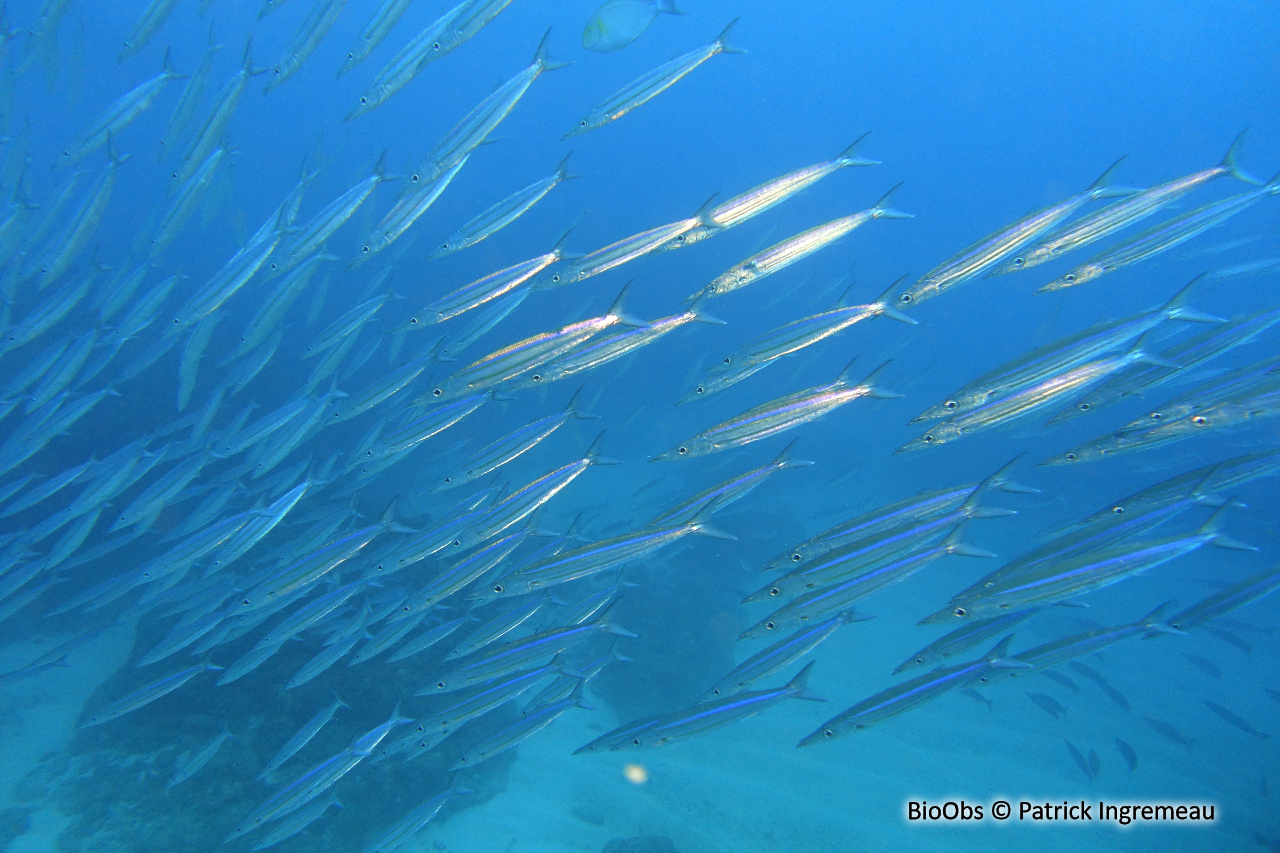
(222, 527)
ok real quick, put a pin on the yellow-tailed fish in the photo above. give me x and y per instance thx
(618, 23)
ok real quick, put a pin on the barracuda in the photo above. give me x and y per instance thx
(785, 340)
(782, 255)
(652, 84)
(503, 213)
(1162, 237)
(779, 415)
(1123, 213)
(757, 200)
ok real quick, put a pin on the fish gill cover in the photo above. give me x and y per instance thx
(469, 427)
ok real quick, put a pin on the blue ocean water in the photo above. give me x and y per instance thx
(984, 114)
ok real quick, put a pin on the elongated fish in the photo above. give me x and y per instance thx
(486, 289)
(652, 84)
(323, 16)
(1065, 353)
(1123, 213)
(911, 694)
(148, 694)
(759, 353)
(503, 213)
(484, 118)
(989, 251)
(147, 25)
(383, 21)
(782, 255)
(757, 200)
(779, 415)
(1027, 401)
(1162, 237)
(1059, 580)
(623, 251)
(122, 113)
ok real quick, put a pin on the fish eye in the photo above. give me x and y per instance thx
(728, 359)
(537, 377)
(770, 626)
(368, 453)
(1155, 416)
(775, 591)
(437, 393)
(276, 71)
(1069, 277)
(414, 178)
(363, 100)
(635, 741)
(928, 437)
(1084, 407)
(682, 451)
(797, 557)
(413, 321)
(351, 56)
(828, 733)
(1070, 457)
(440, 684)
(444, 246)
(906, 297)
(1199, 420)
(582, 123)
(960, 611)
(919, 660)
(699, 390)
(364, 250)
(950, 404)
(680, 238)
(982, 679)
(448, 479)
(498, 588)
(456, 542)
(556, 278)
(1017, 262)
(435, 45)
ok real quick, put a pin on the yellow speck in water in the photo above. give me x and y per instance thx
(636, 774)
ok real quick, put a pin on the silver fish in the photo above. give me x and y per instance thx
(652, 84)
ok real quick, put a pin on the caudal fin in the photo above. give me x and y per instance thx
(1229, 165)
(1212, 530)
(1103, 188)
(883, 210)
(543, 57)
(722, 40)
(871, 382)
(798, 687)
(849, 157)
(786, 458)
(1178, 309)
(885, 302)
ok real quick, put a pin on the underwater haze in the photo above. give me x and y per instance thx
(630, 426)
